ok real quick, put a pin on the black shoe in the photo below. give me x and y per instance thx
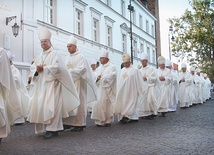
(50, 134)
(108, 125)
(125, 120)
(105, 125)
(67, 127)
(153, 115)
(0, 140)
(163, 114)
(76, 129)
(150, 117)
(18, 124)
(133, 121)
(100, 125)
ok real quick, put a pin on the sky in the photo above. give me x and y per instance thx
(169, 9)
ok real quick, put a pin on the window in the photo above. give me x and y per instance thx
(148, 52)
(109, 36)
(49, 11)
(140, 22)
(147, 26)
(141, 48)
(153, 31)
(134, 17)
(78, 12)
(95, 24)
(95, 30)
(124, 48)
(79, 22)
(109, 25)
(154, 57)
(123, 8)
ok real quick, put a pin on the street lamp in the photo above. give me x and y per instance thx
(131, 9)
(170, 37)
(15, 27)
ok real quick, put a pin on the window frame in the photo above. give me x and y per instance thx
(124, 42)
(49, 11)
(79, 21)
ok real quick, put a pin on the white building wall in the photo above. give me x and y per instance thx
(30, 16)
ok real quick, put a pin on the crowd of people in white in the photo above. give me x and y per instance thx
(62, 93)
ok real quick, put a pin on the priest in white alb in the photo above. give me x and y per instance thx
(129, 88)
(194, 85)
(93, 63)
(10, 107)
(102, 111)
(174, 87)
(54, 95)
(185, 88)
(208, 86)
(80, 70)
(147, 105)
(22, 90)
(163, 87)
(204, 88)
(199, 86)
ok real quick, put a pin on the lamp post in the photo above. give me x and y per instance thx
(170, 38)
(131, 9)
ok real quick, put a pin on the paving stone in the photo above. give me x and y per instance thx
(184, 132)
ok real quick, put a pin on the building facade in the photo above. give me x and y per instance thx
(97, 24)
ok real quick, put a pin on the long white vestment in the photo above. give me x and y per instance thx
(174, 92)
(54, 96)
(129, 88)
(91, 103)
(102, 111)
(164, 90)
(185, 89)
(198, 84)
(23, 93)
(147, 104)
(194, 89)
(83, 78)
(208, 93)
(10, 107)
(204, 87)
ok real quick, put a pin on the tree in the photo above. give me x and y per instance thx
(194, 36)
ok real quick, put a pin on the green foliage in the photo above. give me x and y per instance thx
(194, 35)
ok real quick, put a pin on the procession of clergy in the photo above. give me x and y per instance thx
(63, 92)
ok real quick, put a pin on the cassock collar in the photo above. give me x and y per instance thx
(184, 72)
(75, 53)
(146, 67)
(48, 50)
(105, 65)
(131, 66)
(162, 69)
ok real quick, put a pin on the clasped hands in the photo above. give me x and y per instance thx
(144, 78)
(183, 80)
(162, 78)
(39, 68)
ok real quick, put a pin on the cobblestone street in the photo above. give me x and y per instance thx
(187, 131)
